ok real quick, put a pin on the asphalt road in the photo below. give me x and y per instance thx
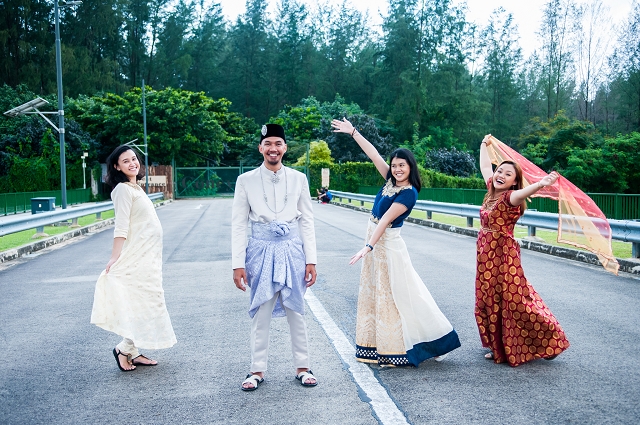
(58, 368)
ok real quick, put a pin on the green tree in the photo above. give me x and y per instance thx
(345, 149)
(501, 61)
(26, 40)
(550, 143)
(608, 166)
(180, 124)
(555, 30)
(625, 63)
(173, 57)
(92, 34)
(318, 152)
(208, 49)
(250, 46)
(136, 19)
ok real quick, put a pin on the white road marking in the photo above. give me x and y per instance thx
(199, 206)
(384, 408)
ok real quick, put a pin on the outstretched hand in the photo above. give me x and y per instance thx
(360, 254)
(549, 179)
(343, 126)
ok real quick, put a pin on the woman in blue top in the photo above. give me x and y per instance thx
(398, 322)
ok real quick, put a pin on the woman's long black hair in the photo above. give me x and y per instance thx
(113, 175)
(414, 172)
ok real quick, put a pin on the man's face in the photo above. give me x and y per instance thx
(272, 149)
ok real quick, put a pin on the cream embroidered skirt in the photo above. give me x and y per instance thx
(398, 321)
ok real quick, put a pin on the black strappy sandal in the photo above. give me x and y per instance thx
(133, 361)
(116, 354)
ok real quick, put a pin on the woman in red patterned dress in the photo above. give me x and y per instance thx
(512, 319)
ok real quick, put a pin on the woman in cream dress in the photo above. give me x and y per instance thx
(129, 299)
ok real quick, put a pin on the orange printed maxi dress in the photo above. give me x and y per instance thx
(512, 319)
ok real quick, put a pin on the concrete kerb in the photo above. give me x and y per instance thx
(14, 253)
(626, 265)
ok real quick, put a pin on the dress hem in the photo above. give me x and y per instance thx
(146, 345)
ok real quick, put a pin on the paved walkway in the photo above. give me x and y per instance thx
(59, 369)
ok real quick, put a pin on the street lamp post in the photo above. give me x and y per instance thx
(84, 166)
(63, 165)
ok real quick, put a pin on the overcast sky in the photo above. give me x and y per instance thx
(526, 13)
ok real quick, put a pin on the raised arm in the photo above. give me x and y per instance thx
(485, 162)
(517, 197)
(345, 126)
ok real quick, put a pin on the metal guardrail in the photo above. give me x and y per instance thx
(618, 206)
(18, 202)
(38, 221)
(621, 230)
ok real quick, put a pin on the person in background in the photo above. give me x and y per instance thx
(324, 195)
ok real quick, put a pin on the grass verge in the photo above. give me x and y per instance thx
(15, 240)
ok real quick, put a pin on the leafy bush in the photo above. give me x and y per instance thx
(318, 151)
(452, 162)
(349, 176)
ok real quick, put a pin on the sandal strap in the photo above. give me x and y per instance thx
(143, 356)
(303, 376)
(253, 379)
(128, 356)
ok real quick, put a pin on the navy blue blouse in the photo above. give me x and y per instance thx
(406, 195)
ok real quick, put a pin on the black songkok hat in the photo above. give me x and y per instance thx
(272, 130)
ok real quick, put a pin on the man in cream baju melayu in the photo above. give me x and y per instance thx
(274, 253)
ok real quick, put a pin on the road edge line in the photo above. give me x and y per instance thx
(384, 408)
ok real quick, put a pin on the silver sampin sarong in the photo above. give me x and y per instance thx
(275, 262)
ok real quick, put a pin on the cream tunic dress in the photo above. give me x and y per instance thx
(129, 300)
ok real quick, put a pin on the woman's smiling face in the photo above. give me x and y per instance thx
(504, 177)
(400, 170)
(128, 163)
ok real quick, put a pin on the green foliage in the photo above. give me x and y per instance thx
(345, 149)
(607, 167)
(311, 119)
(451, 162)
(30, 149)
(579, 152)
(301, 123)
(349, 176)
(318, 152)
(558, 136)
(187, 126)
(436, 139)
(431, 178)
